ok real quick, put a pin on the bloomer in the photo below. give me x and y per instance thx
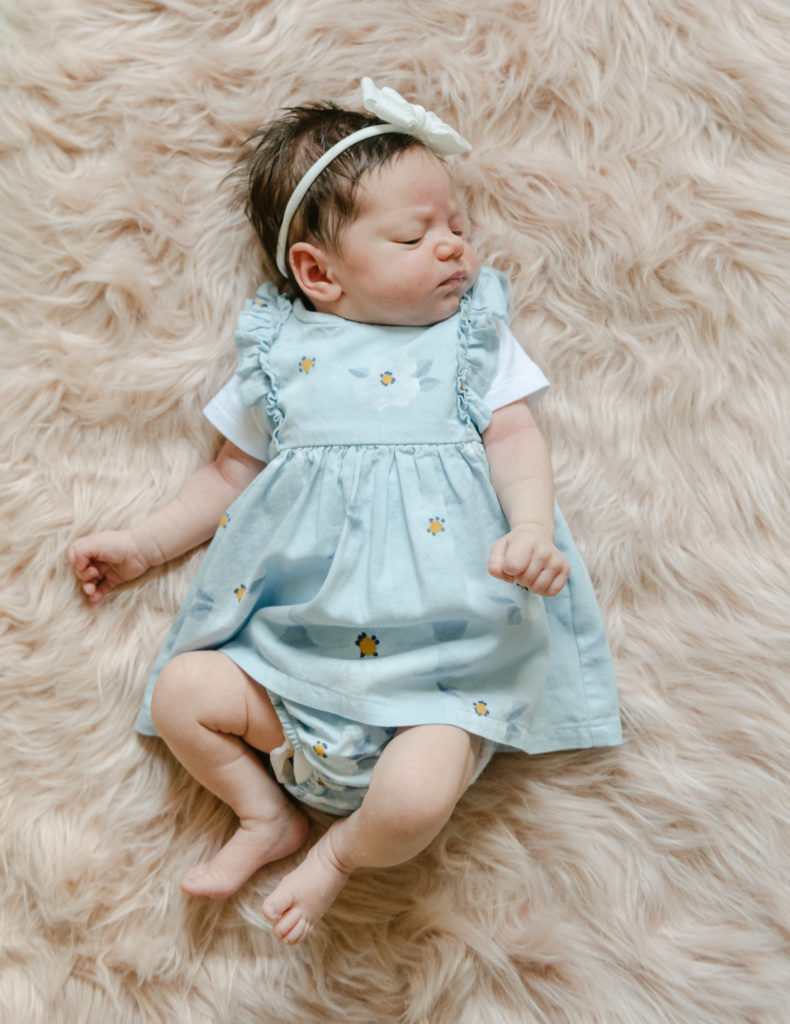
(327, 761)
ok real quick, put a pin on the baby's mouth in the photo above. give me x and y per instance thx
(454, 280)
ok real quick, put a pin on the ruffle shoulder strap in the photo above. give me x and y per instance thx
(481, 307)
(260, 322)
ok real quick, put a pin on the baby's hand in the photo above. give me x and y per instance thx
(102, 561)
(527, 556)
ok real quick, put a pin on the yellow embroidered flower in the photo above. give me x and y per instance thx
(367, 646)
(387, 378)
(306, 364)
(436, 525)
(481, 708)
(240, 591)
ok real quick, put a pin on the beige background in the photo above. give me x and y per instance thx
(630, 174)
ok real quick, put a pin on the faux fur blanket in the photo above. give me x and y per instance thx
(630, 175)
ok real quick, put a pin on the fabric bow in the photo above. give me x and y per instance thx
(413, 119)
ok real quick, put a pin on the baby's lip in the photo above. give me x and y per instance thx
(457, 278)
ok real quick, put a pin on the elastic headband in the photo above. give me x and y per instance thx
(399, 116)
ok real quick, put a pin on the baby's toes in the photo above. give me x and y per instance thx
(287, 922)
(296, 932)
(276, 904)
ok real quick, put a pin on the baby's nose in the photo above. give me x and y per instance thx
(449, 245)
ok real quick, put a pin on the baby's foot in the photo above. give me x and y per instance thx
(305, 894)
(254, 844)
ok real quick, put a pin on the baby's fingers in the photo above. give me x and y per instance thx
(82, 566)
(96, 591)
(82, 557)
(496, 559)
(76, 558)
(551, 579)
(546, 584)
(89, 573)
(96, 587)
(524, 562)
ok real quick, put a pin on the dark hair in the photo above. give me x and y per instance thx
(286, 149)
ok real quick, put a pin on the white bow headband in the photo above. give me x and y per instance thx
(400, 116)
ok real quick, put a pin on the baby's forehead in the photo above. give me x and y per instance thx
(417, 181)
(416, 164)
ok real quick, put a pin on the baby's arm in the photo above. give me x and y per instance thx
(102, 561)
(522, 478)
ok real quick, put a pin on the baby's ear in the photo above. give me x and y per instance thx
(310, 267)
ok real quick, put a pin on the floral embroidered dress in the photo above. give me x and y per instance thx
(350, 575)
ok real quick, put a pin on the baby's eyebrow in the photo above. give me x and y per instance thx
(418, 212)
(404, 220)
(427, 213)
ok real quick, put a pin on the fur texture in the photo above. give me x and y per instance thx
(629, 173)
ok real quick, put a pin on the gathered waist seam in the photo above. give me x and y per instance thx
(403, 445)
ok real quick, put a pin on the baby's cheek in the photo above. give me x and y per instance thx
(474, 265)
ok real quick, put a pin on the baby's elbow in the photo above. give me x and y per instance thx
(512, 422)
(236, 467)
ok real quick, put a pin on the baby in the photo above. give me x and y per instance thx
(377, 609)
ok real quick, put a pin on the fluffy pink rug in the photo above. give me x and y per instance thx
(630, 173)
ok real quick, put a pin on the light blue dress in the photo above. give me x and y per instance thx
(350, 576)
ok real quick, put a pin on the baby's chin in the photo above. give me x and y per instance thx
(427, 318)
(450, 304)
(446, 307)
(439, 317)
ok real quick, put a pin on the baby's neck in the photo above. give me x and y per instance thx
(345, 311)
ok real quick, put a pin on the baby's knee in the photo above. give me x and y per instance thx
(428, 806)
(175, 691)
(423, 801)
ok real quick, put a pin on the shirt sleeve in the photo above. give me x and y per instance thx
(245, 425)
(516, 376)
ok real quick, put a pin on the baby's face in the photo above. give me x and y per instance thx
(405, 259)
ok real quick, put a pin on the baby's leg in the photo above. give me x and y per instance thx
(211, 715)
(414, 788)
